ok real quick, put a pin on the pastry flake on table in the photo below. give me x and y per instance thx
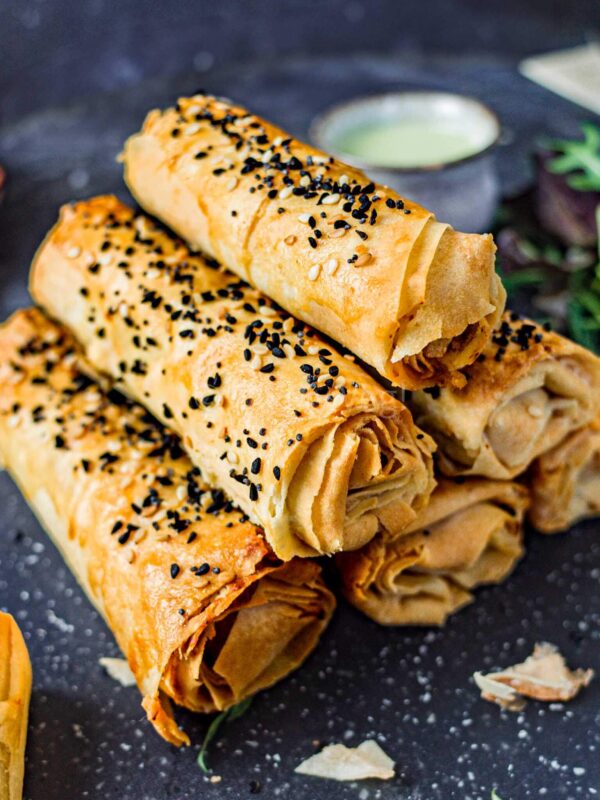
(544, 675)
(340, 763)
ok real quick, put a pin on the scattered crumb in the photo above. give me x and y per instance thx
(215, 779)
(340, 763)
(118, 669)
(543, 676)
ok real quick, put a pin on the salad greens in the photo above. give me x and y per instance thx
(225, 716)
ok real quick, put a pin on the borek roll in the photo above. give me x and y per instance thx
(565, 482)
(469, 535)
(301, 438)
(528, 390)
(203, 611)
(410, 296)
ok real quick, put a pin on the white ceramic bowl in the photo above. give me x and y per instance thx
(463, 191)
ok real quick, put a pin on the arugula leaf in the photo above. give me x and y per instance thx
(495, 795)
(228, 715)
(580, 157)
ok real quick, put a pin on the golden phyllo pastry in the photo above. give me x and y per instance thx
(528, 390)
(203, 611)
(565, 481)
(300, 437)
(470, 534)
(15, 691)
(410, 296)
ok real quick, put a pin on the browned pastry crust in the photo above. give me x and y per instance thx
(470, 534)
(203, 611)
(565, 481)
(15, 693)
(409, 295)
(528, 390)
(301, 438)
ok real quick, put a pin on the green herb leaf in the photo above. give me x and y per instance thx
(229, 715)
(495, 795)
(522, 278)
(579, 157)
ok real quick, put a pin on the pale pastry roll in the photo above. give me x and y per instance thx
(309, 445)
(565, 482)
(528, 390)
(15, 692)
(203, 611)
(470, 534)
(410, 296)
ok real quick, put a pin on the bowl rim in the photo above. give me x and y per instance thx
(323, 118)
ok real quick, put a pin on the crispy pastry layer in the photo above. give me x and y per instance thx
(469, 535)
(411, 296)
(15, 692)
(309, 445)
(565, 482)
(528, 390)
(203, 611)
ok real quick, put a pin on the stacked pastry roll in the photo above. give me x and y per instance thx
(529, 409)
(304, 440)
(409, 295)
(198, 602)
(191, 438)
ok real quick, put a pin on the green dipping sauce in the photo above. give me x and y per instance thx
(408, 142)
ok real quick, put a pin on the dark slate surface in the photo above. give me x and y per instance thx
(409, 689)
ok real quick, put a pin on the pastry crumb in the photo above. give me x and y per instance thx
(340, 763)
(544, 675)
(118, 669)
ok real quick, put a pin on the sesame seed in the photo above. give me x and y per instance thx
(363, 260)
(331, 199)
(304, 218)
(285, 192)
(314, 271)
(231, 184)
(331, 266)
(73, 252)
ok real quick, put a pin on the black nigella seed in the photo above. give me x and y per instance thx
(277, 473)
(251, 443)
(174, 570)
(253, 493)
(193, 403)
(203, 568)
(390, 203)
(255, 468)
